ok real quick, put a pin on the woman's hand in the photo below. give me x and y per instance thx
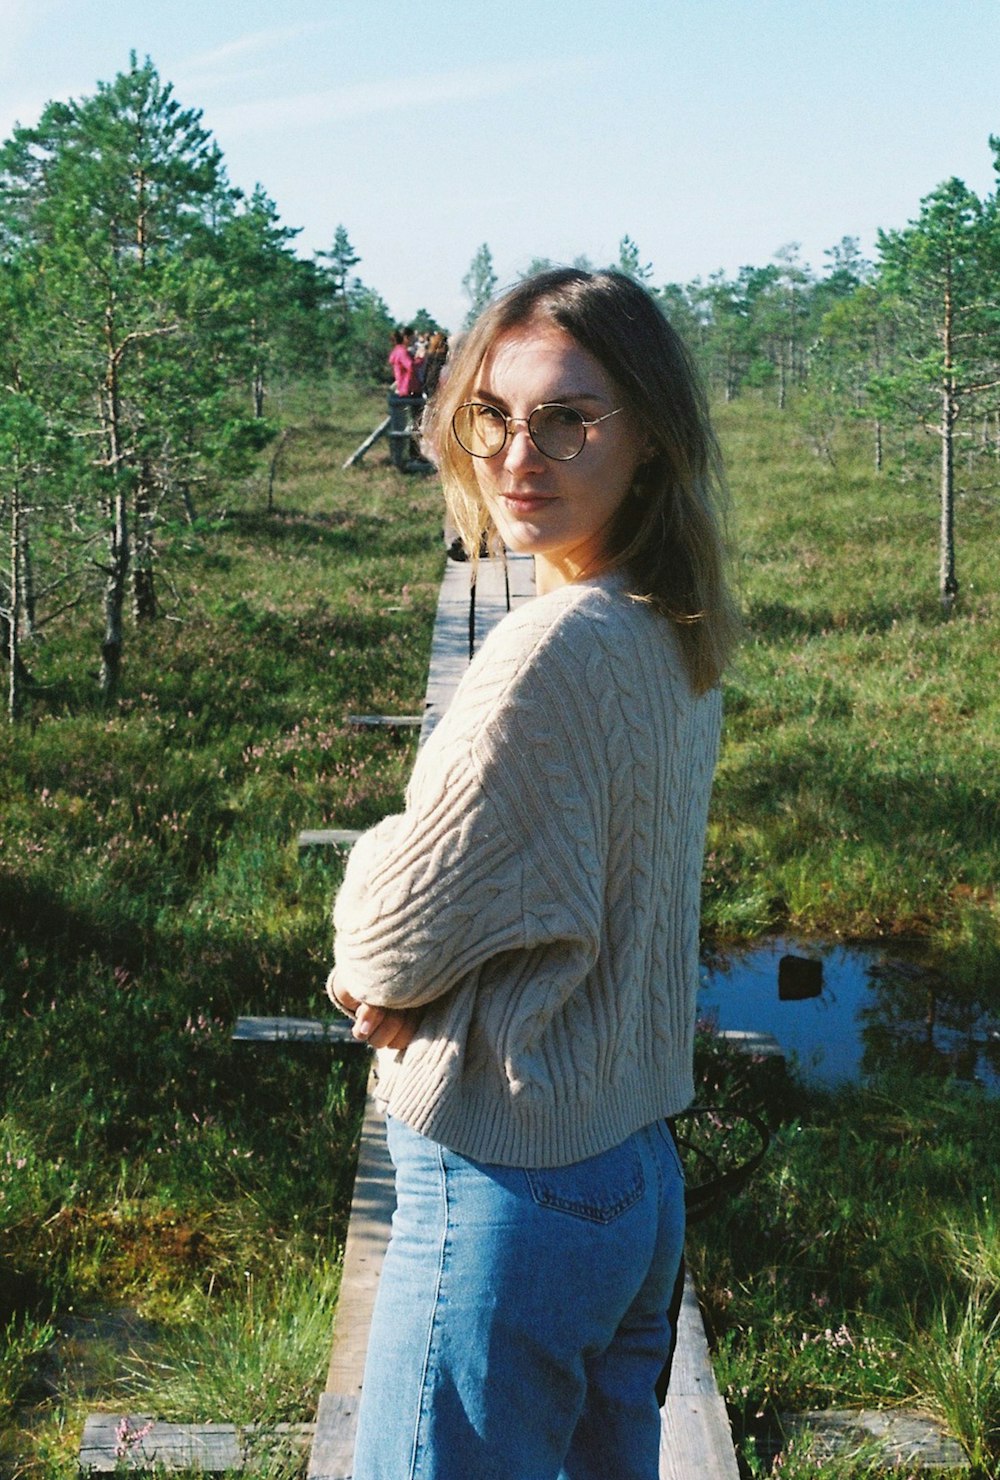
(385, 1027)
(382, 1027)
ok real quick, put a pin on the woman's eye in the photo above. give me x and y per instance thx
(562, 416)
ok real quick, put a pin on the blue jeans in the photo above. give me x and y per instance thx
(521, 1318)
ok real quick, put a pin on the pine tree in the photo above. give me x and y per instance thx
(342, 259)
(943, 272)
(630, 262)
(479, 283)
(113, 200)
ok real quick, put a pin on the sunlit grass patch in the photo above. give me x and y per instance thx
(256, 1356)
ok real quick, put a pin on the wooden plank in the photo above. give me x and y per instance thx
(384, 721)
(748, 1040)
(369, 442)
(896, 1437)
(372, 1207)
(332, 1453)
(696, 1442)
(295, 1030)
(450, 642)
(136, 1444)
(328, 837)
(691, 1375)
(695, 1439)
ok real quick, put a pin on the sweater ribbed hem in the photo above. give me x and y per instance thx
(479, 1122)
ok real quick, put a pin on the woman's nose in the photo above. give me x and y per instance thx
(520, 450)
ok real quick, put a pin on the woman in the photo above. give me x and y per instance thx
(437, 355)
(521, 943)
(405, 381)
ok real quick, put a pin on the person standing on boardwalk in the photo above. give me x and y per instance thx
(520, 944)
(405, 380)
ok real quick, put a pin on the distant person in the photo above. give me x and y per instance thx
(437, 355)
(439, 350)
(406, 387)
(520, 943)
(404, 375)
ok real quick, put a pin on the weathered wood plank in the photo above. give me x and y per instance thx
(384, 721)
(695, 1439)
(450, 642)
(328, 837)
(748, 1040)
(332, 1453)
(137, 1444)
(691, 1375)
(295, 1030)
(369, 442)
(367, 1235)
(897, 1436)
(696, 1442)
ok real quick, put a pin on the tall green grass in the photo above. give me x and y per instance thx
(859, 788)
(858, 1267)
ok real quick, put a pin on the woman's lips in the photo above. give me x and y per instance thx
(526, 503)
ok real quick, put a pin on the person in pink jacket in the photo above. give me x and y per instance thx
(405, 380)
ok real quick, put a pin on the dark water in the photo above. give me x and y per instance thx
(843, 1011)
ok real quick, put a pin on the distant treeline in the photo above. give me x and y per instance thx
(146, 307)
(909, 343)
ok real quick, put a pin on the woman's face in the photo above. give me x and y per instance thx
(560, 512)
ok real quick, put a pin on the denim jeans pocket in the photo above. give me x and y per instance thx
(598, 1189)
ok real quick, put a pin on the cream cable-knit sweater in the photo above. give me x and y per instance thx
(539, 895)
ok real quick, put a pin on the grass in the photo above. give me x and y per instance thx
(858, 791)
(150, 891)
(857, 1269)
(259, 1359)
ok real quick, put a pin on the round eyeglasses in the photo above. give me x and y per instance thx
(559, 432)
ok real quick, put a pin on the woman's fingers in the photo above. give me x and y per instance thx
(383, 1028)
(400, 1029)
(367, 1020)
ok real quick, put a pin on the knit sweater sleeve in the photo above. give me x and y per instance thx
(502, 842)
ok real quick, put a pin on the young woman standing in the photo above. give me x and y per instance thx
(521, 942)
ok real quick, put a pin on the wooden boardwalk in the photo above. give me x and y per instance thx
(451, 641)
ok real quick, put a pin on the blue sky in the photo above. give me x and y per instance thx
(713, 132)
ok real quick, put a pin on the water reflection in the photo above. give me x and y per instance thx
(844, 1011)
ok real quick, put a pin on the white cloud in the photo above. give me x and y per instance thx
(252, 44)
(391, 95)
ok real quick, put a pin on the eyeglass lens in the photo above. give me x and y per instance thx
(558, 432)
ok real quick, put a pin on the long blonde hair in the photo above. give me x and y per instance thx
(667, 535)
